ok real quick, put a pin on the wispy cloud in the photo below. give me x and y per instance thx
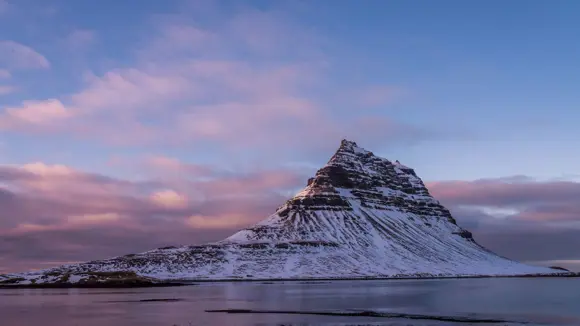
(5, 74)
(127, 89)
(80, 39)
(35, 115)
(19, 56)
(4, 89)
(4, 6)
(378, 95)
(230, 83)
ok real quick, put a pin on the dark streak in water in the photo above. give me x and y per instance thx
(144, 300)
(455, 319)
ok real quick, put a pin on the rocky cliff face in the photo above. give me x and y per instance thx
(360, 216)
(353, 178)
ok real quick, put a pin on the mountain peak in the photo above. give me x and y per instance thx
(350, 146)
(347, 143)
(355, 177)
(348, 152)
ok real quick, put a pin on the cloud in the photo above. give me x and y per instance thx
(19, 56)
(58, 212)
(80, 39)
(35, 114)
(169, 198)
(378, 95)
(4, 6)
(5, 74)
(94, 218)
(175, 40)
(49, 248)
(528, 199)
(504, 191)
(4, 90)
(52, 209)
(217, 222)
(44, 170)
(261, 31)
(125, 89)
(532, 245)
(519, 217)
(170, 168)
(170, 165)
(230, 84)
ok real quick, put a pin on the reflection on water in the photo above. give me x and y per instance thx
(554, 301)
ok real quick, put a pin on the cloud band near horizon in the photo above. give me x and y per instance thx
(54, 213)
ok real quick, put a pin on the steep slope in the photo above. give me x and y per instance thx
(359, 216)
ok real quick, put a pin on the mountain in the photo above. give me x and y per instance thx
(360, 216)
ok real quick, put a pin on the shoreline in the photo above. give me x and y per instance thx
(89, 286)
(192, 282)
(571, 275)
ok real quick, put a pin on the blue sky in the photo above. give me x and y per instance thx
(459, 90)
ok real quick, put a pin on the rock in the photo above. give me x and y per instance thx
(559, 268)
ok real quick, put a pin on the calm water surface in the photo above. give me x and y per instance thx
(541, 301)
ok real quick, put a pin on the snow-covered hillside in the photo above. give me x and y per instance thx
(359, 216)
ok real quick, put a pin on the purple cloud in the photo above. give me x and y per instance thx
(55, 213)
(20, 56)
(518, 217)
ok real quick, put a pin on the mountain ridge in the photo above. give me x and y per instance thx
(360, 216)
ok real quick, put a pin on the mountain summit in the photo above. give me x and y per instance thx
(360, 216)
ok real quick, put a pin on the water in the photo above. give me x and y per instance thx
(539, 300)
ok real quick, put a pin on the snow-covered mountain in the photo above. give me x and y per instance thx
(360, 216)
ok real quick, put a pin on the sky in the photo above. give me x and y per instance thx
(127, 126)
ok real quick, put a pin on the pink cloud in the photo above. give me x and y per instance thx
(16, 55)
(518, 217)
(169, 198)
(186, 89)
(526, 199)
(40, 200)
(5, 89)
(5, 74)
(190, 96)
(501, 192)
(251, 184)
(217, 222)
(248, 122)
(34, 114)
(80, 39)
(172, 168)
(59, 213)
(124, 89)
